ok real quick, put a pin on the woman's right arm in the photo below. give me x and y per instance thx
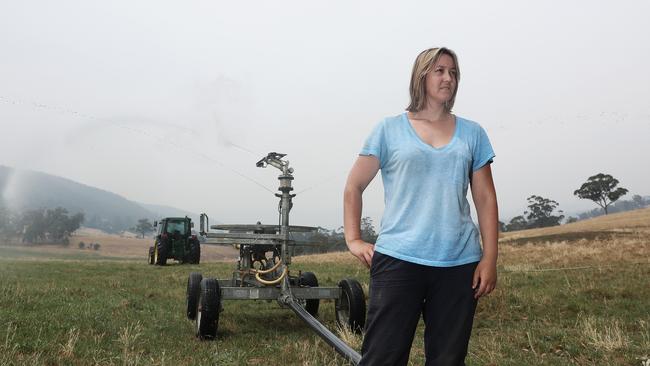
(361, 174)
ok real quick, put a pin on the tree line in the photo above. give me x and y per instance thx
(38, 226)
(326, 240)
(601, 188)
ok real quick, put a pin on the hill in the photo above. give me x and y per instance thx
(615, 224)
(25, 190)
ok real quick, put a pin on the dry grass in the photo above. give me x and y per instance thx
(633, 248)
(630, 248)
(313, 352)
(617, 237)
(335, 257)
(645, 332)
(488, 347)
(618, 222)
(67, 350)
(353, 339)
(128, 340)
(116, 246)
(627, 241)
(128, 247)
(607, 336)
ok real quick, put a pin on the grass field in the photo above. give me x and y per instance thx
(578, 294)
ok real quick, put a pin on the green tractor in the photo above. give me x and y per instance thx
(174, 239)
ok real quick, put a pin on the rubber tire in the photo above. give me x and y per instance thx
(195, 252)
(150, 255)
(161, 248)
(207, 316)
(309, 279)
(351, 306)
(193, 293)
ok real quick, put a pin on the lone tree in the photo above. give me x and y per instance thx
(540, 212)
(601, 188)
(143, 227)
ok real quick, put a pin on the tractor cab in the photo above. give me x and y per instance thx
(176, 227)
(174, 240)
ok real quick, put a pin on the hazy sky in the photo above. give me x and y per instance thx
(173, 102)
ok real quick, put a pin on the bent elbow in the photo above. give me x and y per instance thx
(352, 190)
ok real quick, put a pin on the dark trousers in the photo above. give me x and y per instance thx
(399, 292)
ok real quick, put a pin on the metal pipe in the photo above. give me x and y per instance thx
(275, 160)
(341, 347)
(285, 208)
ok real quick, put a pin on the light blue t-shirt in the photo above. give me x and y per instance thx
(426, 217)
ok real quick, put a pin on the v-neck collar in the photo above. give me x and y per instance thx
(417, 137)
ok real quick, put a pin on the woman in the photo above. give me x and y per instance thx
(427, 259)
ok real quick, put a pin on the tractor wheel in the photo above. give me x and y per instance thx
(207, 316)
(309, 279)
(193, 293)
(195, 252)
(351, 306)
(151, 255)
(160, 253)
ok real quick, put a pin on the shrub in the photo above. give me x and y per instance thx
(82, 245)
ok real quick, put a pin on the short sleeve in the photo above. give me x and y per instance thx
(375, 144)
(483, 153)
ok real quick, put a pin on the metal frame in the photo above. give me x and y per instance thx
(271, 279)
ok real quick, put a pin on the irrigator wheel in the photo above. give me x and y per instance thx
(193, 293)
(207, 316)
(351, 306)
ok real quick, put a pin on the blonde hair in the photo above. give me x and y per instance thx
(422, 66)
